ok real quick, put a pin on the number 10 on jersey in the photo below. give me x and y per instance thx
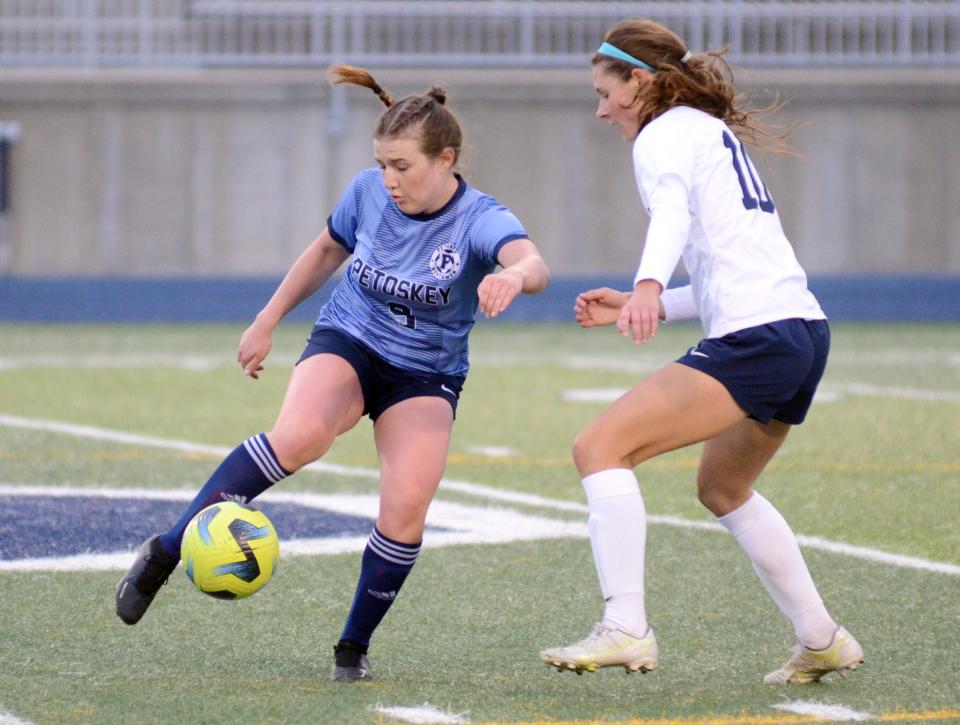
(755, 192)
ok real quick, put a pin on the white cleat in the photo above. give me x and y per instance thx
(807, 665)
(605, 646)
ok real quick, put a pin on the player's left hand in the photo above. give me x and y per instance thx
(599, 306)
(498, 290)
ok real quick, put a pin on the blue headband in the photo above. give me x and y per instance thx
(611, 51)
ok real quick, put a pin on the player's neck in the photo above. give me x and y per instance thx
(448, 189)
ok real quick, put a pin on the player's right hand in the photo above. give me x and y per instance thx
(599, 306)
(640, 316)
(255, 343)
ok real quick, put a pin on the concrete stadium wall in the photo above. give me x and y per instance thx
(231, 173)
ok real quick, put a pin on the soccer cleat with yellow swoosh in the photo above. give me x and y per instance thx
(808, 665)
(605, 646)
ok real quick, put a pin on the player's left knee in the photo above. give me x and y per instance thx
(720, 502)
(403, 523)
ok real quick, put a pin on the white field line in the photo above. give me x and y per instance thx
(829, 393)
(896, 358)
(425, 713)
(109, 362)
(829, 712)
(614, 361)
(883, 391)
(592, 395)
(122, 361)
(481, 491)
(7, 718)
(634, 362)
(492, 451)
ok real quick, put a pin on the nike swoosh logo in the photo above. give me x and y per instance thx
(697, 353)
(444, 387)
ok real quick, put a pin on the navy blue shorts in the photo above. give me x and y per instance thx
(382, 383)
(772, 370)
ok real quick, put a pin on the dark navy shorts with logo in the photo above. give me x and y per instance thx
(771, 370)
(383, 384)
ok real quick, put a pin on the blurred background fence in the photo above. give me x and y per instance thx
(179, 140)
(476, 33)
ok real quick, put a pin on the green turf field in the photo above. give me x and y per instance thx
(876, 468)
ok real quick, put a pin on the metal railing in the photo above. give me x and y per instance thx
(473, 33)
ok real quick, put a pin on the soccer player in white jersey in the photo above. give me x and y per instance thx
(741, 388)
(390, 343)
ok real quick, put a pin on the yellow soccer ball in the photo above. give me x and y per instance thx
(230, 550)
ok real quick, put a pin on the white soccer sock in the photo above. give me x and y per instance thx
(775, 554)
(618, 536)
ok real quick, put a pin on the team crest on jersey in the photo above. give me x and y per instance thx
(445, 262)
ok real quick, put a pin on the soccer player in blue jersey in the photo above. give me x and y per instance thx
(426, 252)
(741, 389)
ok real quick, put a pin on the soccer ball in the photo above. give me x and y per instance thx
(230, 550)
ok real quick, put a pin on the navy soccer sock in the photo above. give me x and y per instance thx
(385, 566)
(249, 470)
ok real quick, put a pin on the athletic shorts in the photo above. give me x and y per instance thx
(772, 371)
(382, 383)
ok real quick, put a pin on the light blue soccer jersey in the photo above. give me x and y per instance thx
(410, 292)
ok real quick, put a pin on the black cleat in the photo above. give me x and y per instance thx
(350, 662)
(138, 588)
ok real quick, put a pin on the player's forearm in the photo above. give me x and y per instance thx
(679, 304)
(534, 272)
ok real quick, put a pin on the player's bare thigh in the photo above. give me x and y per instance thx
(412, 440)
(323, 400)
(674, 407)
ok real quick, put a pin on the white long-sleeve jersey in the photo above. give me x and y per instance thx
(708, 204)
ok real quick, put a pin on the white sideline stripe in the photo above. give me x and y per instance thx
(592, 395)
(492, 451)
(879, 557)
(949, 396)
(466, 524)
(122, 361)
(614, 362)
(425, 713)
(472, 489)
(828, 393)
(8, 718)
(829, 712)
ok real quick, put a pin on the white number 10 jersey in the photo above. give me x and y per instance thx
(708, 204)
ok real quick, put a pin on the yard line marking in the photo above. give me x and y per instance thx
(885, 391)
(425, 713)
(903, 716)
(201, 363)
(828, 712)
(481, 491)
(613, 361)
(829, 393)
(593, 395)
(493, 451)
(8, 718)
(115, 436)
(877, 556)
(888, 358)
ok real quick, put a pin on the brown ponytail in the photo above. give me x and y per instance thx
(425, 114)
(337, 74)
(704, 81)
